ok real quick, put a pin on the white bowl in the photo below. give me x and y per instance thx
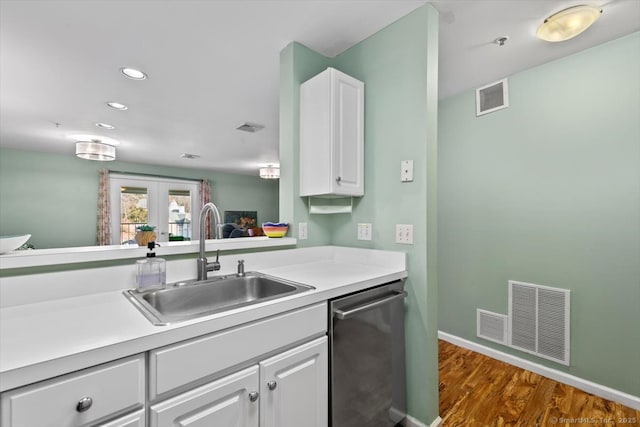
(9, 243)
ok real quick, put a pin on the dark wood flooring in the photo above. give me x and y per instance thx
(476, 390)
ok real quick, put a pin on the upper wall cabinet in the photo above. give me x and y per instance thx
(332, 135)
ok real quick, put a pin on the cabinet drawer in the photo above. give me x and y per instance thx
(177, 365)
(113, 387)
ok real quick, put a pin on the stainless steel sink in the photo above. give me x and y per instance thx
(188, 300)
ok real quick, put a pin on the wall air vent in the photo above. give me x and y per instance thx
(539, 320)
(492, 97)
(491, 326)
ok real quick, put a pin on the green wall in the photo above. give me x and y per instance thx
(297, 64)
(399, 67)
(547, 191)
(53, 197)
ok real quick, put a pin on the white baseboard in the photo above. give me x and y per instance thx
(563, 377)
(412, 422)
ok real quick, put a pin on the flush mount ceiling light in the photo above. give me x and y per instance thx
(133, 73)
(270, 172)
(95, 150)
(105, 126)
(117, 105)
(568, 23)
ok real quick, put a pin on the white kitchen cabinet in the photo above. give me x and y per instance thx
(135, 419)
(176, 366)
(231, 401)
(286, 390)
(294, 387)
(79, 398)
(332, 135)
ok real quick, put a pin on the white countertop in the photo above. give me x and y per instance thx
(43, 339)
(56, 256)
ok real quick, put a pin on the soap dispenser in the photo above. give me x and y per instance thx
(151, 271)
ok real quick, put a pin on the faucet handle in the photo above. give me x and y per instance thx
(215, 265)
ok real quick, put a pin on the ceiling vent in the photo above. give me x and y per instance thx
(492, 97)
(250, 127)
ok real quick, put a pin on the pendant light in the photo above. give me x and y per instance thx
(270, 172)
(95, 150)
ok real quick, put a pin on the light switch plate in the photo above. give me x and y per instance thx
(303, 231)
(364, 231)
(404, 234)
(406, 170)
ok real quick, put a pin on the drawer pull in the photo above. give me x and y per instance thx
(271, 385)
(253, 396)
(84, 404)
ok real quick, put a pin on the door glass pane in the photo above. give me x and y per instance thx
(180, 221)
(133, 211)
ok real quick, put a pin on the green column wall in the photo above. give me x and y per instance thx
(547, 191)
(399, 67)
(54, 197)
(297, 64)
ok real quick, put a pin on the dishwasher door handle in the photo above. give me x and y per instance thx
(340, 314)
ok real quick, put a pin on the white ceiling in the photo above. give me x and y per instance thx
(214, 64)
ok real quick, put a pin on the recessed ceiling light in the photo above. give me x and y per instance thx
(105, 126)
(117, 105)
(93, 138)
(133, 73)
(250, 127)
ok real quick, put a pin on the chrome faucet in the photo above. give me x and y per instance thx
(241, 272)
(203, 265)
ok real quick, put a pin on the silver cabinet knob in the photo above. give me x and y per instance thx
(338, 179)
(271, 385)
(84, 404)
(253, 396)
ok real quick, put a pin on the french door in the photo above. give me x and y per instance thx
(171, 206)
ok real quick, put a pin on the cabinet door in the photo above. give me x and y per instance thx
(135, 419)
(227, 402)
(294, 387)
(348, 110)
(332, 135)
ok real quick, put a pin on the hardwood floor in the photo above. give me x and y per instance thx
(476, 390)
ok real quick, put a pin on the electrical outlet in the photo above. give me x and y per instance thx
(404, 234)
(303, 231)
(364, 231)
(406, 170)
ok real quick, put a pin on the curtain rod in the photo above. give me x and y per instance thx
(155, 176)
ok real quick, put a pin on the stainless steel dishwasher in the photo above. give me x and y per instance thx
(367, 365)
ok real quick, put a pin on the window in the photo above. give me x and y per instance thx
(171, 205)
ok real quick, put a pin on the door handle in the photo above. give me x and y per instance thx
(342, 314)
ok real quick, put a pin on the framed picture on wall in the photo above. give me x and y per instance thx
(244, 219)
